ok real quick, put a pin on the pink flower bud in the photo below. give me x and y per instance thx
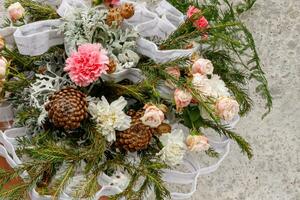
(197, 143)
(191, 11)
(153, 116)
(15, 11)
(203, 66)
(201, 23)
(182, 99)
(227, 108)
(111, 2)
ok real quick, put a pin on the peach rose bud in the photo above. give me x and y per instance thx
(16, 11)
(197, 143)
(227, 108)
(182, 99)
(191, 11)
(203, 66)
(153, 116)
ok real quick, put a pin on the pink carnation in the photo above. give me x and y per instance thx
(87, 64)
(191, 11)
(201, 23)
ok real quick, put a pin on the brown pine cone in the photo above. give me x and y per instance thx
(127, 10)
(67, 108)
(114, 15)
(137, 137)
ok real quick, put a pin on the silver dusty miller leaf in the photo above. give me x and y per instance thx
(89, 26)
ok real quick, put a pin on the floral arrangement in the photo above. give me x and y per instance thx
(96, 102)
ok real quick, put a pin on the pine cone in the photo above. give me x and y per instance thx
(67, 108)
(114, 15)
(127, 10)
(137, 137)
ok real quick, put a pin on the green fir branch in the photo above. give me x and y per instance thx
(244, 6)
(150, 171)
(88, 188)
(212, 153)
(228, 34)
(221, 129)
(64, 180)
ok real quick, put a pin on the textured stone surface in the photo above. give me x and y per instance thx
(274, 172)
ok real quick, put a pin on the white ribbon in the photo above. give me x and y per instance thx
(8, 35)
(67, 7)
(36, 38)
(132, 74)
(149, 49)
(6, 112)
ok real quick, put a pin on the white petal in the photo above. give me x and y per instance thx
(119, 104)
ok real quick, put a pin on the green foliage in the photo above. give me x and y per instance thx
(244, 6)
(48, 150)
(192, 117)
(22, 62)
(230, 47)
(212, 153)
(243, 144)
(235, 79)
(37, 11)
(150, 171)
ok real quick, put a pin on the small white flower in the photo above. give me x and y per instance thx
(110, 117)
(174, 147)
(213, 87)
(218, 86)
(201, 84)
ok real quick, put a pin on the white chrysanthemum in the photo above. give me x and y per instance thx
(218, 87)
(201, 84)
(213, 87)
(174, 147)
(110, 117)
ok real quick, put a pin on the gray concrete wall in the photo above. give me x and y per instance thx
(274, 172)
